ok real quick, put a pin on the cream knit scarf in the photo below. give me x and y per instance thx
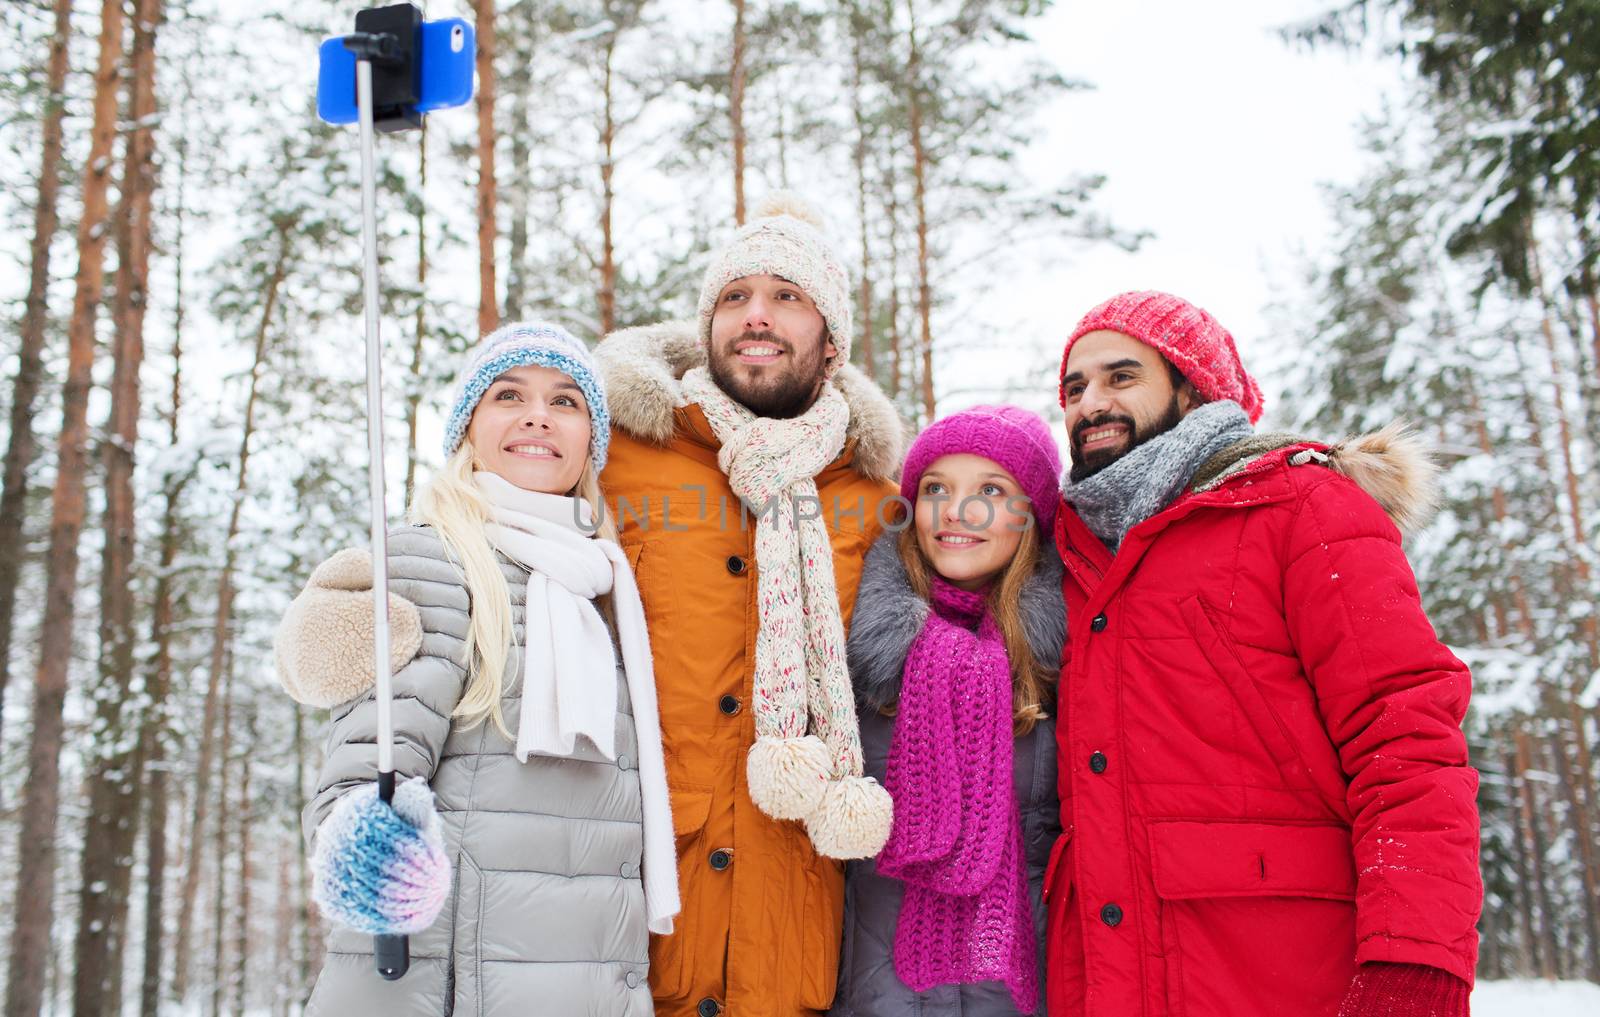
(569, 669)
(806, 761)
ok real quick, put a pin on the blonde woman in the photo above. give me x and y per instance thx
(530, 852)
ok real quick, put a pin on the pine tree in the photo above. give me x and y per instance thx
(36, 845)
(114, 771)
(21, 446)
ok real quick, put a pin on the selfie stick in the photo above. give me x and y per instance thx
(392, 953)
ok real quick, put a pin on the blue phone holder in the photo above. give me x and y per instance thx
(417, 67)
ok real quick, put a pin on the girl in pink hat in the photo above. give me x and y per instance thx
(954, 647)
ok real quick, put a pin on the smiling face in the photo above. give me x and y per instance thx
(532, 429)
(967, 518)
(1120, 393)
(769, 345)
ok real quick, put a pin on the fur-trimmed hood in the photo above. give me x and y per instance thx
(889, 615)
(1394, 465)
(643, 368)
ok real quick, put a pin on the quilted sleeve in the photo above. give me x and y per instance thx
(425, 691)
(1393, 698)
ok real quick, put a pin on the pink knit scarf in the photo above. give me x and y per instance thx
(956, 841)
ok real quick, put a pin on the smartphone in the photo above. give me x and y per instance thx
(446, 54)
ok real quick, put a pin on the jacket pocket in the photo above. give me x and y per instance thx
(466, 954)
(1254, 917)
(672, 957)
(820, 935)
(1220, 653)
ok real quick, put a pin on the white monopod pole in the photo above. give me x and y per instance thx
(391, 952)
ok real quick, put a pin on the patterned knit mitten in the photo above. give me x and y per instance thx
(378, 869)
(1405, 990)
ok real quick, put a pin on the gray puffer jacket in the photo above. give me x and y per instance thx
(888, 616)
(547, 915)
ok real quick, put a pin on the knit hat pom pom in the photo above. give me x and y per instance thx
(853, 820)
(787, 776)
(786, 203)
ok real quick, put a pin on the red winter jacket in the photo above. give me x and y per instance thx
(1262, 772)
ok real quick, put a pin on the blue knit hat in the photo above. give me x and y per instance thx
(529, 344)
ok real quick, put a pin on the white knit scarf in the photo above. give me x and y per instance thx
(806, 761)
(569, 669)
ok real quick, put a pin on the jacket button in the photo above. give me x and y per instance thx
(708, 1007)
(721, 858)
(1098, 624)
(728, 705)
(1097, 762)
(736, 565)
(1111, 915)
(622, 762)
(628, 869)
(633, 979)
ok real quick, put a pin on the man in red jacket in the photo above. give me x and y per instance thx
(1264, 785)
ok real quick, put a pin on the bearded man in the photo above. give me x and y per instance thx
(1263, 780)
(750, 470)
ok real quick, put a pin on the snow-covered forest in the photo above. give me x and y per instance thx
(181, 372)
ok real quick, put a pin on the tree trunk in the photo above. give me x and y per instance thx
(1575, 515)
(1558, 391)
(896, 348)
(219, 851)
(22, 448)
(1573, 571)
(488, 309)
(283, 922)
(1591, 297)
(114, 769)
(1531, 813)
(414, 385)
(36, 844)
(1570, 778)
(736, 81)
(864, 322)
(1528, 942)
(154, 730)
(1519, 594)
(310, 928)
(1586, 782)
(241, 925)
(519, 84)
(919, 157)
(219, 633)
(607, 297)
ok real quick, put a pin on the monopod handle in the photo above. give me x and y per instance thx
(392, 953)
(393, 956)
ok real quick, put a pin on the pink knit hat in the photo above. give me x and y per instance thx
(1009, 435)
(1195, 343)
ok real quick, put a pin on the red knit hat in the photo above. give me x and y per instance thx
(1196, 344)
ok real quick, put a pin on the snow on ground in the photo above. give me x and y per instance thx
(1532, 998)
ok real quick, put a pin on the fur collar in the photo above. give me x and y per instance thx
(889, 615)
(1393, 465)
(643, 366)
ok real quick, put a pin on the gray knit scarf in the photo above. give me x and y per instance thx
(1151, 477)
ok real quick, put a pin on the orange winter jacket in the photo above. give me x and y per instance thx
(762, 912)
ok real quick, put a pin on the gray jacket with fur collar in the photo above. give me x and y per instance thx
(888, 616)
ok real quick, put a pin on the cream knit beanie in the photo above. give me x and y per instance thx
(784, 238)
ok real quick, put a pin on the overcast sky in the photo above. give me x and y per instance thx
(1215, 135)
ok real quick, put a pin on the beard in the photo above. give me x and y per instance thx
(780, 396)
(1087, 465)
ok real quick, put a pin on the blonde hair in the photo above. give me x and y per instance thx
(452, 504)
(1030, 680)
